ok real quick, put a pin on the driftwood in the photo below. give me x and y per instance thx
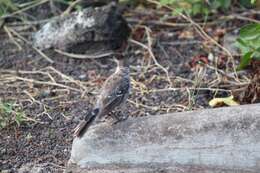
(223, 140)
(90, 31)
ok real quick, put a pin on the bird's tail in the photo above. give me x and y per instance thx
(83, 126)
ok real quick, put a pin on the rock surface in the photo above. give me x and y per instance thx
(91, 31)
(213, 140)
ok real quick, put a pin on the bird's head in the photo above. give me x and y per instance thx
(95, 111)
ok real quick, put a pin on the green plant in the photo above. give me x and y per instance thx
(249, 44)
(10, 114)
(7, 6)
(70, 2)
(247, 3)
(193, 7)
(219, 4)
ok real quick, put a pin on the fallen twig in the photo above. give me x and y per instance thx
(84, 56)
(42, 82)
(27, 42)
(153, 57)
(12, 38)
(201, 32)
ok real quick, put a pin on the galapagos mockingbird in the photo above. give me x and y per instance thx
(113, 95)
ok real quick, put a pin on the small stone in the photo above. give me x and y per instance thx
(82, 76)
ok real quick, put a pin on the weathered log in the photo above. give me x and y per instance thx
(91, 31)
(209, 141)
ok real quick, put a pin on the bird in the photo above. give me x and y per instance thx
(112, 97)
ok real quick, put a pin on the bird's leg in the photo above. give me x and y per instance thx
(124, 112)
(100, 119)
(119, 115)
(114, 116)
(117, 118)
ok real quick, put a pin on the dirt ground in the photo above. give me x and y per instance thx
(182, 76)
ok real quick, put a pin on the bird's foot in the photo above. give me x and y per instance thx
(119, 117)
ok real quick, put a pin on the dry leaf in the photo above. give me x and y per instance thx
(225, 100)
(186, 35)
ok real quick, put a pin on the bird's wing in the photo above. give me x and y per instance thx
(116, 90)
(83, 126)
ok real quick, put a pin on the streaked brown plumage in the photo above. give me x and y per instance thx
(113, 95)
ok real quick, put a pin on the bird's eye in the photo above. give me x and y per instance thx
(119, 92)
(95, 111)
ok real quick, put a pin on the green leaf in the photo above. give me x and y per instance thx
(247, 3)
(19, 118)
(243, 46)
(177, 11)
(216, 4)
(250, 32)
(256, 54)
(245, 60)
(225, 4)
(196, 9)
(166, 2)
(7, 6)
(7, 108)
(249, 42)
(241, 42)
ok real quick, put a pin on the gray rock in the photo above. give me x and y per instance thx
(213, 140)
(91, 30)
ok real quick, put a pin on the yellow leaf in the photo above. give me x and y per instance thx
(226, 100)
